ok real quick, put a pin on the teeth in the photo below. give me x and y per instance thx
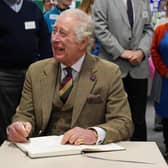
(60, 49)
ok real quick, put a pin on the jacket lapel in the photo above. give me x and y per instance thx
(47, 86)
(86, 81)
(121, 7)
(137, 11)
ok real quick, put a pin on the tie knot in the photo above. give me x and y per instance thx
(68, 71)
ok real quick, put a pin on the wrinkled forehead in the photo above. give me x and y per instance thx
(66, 22)
(67, 19)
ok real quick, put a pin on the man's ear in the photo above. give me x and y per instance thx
(84, 43)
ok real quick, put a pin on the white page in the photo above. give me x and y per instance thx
(52, 144)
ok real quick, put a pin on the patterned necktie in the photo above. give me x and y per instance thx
(130, 13)
(66, 85)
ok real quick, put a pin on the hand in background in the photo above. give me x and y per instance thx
(137, 57)
(127, 54)
(78, 136)
(19, 131)
(133, 56)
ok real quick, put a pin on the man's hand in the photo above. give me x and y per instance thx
(136, 57)
(133, 56)
(78, 136)
(19, 131)
(127, 54)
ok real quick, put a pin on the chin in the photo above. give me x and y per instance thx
(59, 57)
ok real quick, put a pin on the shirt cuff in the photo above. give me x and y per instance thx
(101, 134)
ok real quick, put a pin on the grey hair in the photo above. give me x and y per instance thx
(85, 27)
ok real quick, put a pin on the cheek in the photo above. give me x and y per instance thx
(70, 47)
(70, 51)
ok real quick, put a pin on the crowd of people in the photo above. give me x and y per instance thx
(80, 72)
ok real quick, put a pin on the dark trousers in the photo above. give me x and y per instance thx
(165, 132)
(137, 97)
(11, 83)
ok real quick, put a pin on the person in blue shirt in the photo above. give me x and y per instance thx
(48, 5)
(51, 16)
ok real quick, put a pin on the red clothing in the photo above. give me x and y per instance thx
(157, 60)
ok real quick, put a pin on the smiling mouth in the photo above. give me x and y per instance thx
(59, 49)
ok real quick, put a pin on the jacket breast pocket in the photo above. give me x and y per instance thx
(94, 99)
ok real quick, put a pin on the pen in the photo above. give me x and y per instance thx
(26, 129)
(28, 138)
(116, 160)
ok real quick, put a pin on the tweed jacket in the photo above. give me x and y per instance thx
(100, 98)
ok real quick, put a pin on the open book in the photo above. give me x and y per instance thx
(48, 146)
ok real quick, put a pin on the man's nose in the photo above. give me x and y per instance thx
(56, 36)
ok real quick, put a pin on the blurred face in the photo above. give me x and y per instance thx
(48, 4)
(65, 3)
(92, 1)
(66, 48)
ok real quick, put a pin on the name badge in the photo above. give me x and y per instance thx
(145, 14)
(30, 25)
(53, 16)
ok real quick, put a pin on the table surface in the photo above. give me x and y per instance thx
(136, 155)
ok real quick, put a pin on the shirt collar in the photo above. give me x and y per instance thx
(14, 4)
(77, 66)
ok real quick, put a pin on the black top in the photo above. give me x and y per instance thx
(24, 36)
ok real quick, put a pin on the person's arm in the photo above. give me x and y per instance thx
(118, 121)
(146, 37)
(161, 68)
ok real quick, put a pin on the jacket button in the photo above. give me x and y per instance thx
(129, 38)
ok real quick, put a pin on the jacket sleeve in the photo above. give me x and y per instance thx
(118, 125)
(145, 41)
